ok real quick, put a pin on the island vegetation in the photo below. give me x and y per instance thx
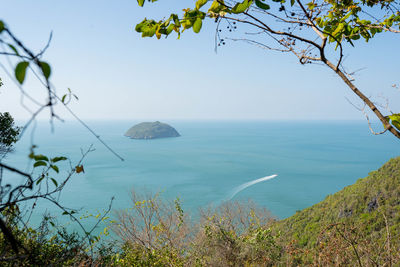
(151, 130)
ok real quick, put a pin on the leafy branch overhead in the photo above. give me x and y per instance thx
(337, 20)
(315, 31)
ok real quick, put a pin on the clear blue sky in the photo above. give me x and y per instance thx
(119, 75)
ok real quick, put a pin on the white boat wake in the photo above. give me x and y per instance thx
(245, 185)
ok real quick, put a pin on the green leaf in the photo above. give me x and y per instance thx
(40, 157)
(39, 180)
(216, 7)
(63, 98)
(394, 117)
(1, 26)
(55, 168)
(13, 49)
(39, 163)
(65, 213)
(311, 5)
(346, 17)
(56, 159)
(396, 124)
(20, 71)
(54, 181)
(147, 27)
(241, 7)
(176, 20)
(262, 5)
(186, 24)
(140, 2)
(139, 27)
(45, 69)
(149, 31)
(197, 25)
(339, 28)
(395, 120)
(292, 2)
(170, 29)
(200, 3)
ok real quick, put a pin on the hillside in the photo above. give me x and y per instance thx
(368, 211)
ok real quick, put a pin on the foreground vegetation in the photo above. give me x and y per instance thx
(358, 226)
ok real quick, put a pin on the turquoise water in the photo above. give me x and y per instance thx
(210, 159)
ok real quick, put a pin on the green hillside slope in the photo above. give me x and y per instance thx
(366, 213)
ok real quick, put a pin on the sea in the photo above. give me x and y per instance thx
(209, 162)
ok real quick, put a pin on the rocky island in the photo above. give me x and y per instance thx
(151, 130)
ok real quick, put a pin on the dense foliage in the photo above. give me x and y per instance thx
(41, 246)
(8, 132)
(337, 20)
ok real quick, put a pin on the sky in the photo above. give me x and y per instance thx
(118, 75)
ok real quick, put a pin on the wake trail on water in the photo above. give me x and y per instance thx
(245, 185)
